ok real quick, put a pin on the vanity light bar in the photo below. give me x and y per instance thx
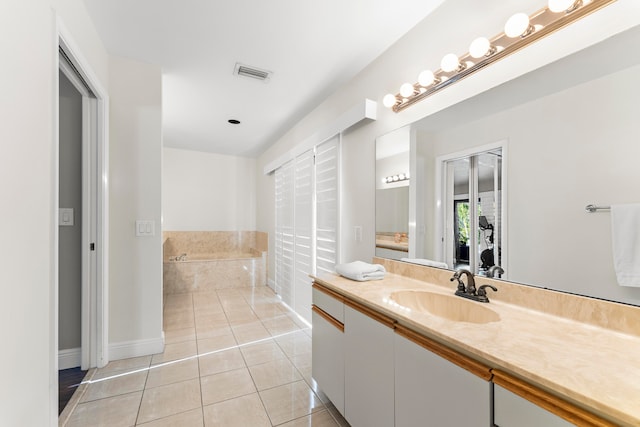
(395, 178)
(520, 31)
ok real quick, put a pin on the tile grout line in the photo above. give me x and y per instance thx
(195, 331)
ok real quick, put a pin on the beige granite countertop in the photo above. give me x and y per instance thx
(594, 367)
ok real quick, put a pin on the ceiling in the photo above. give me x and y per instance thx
(312, 48)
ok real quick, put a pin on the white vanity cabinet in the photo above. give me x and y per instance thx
(511, 410)
(432, 390)
(369, 368)
(328, 345)
(517, 403)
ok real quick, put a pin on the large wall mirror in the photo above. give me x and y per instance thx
(570, 136)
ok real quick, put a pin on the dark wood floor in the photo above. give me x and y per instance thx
(68, 382)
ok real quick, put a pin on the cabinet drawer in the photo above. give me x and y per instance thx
(329, 302)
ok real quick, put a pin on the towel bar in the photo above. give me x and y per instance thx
(593, 208)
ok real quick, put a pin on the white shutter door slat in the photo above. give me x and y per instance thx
(285, 232)
(303, 233)
(327, 204)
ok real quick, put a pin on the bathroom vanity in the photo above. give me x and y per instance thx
(385, 355)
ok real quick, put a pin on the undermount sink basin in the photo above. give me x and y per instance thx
(449, 307)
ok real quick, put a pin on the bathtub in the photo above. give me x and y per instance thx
(205, 261)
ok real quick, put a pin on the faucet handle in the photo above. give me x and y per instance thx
(482, 290)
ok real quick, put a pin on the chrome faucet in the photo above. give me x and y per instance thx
(469, 291)
(495, 270)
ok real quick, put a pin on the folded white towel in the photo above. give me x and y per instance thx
(361, 271)
(625, 235)
(427, 262)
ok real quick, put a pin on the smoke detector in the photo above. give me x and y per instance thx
(252, 72)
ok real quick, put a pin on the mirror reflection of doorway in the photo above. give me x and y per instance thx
(473, 211)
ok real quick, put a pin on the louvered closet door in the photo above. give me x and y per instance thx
(285, 232)
(327, 204)
(304, 216)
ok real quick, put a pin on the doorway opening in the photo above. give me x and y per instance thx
(80, 178)
(473, 225)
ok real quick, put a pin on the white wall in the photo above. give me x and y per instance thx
(135, 293)
(28, 82)
(402, 62)
(28, 190)
(207, 192)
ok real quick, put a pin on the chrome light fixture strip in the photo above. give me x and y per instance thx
(544, 21)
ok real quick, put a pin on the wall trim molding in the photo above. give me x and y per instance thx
(136, 348)
(365, 110)
(69, 358)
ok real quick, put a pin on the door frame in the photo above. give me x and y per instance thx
(95, 280)
(440, 242)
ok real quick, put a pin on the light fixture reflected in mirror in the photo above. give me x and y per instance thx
(519, 31)
(395, 178)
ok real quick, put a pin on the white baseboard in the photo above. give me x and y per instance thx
(69, 358)
(127, 349)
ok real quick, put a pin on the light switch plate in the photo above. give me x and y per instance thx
(65, 217)
(357, 233)
(145, 228)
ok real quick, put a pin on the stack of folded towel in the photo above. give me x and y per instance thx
(361, 271)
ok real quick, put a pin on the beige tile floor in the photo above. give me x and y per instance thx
(233, 357)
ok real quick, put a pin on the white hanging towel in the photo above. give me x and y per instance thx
(625, 235)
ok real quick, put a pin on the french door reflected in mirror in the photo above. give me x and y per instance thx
(472, 201)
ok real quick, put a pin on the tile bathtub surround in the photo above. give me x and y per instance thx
(215, 260)
(209, 242)
(234, 357)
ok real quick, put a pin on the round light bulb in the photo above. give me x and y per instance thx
(395, 177)
(557, 6)
(479, 47)
(517, 25)
(426, 78)
(389, 100)
(401, 176)
(450, 62)
(406, 90)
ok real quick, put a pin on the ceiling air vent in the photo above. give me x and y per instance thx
(253, 72)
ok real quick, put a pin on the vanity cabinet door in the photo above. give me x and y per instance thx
(432, 391)
(328, 356)
(368, 370)
(511, 410)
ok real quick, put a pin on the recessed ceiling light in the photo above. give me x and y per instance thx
(234, 121)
